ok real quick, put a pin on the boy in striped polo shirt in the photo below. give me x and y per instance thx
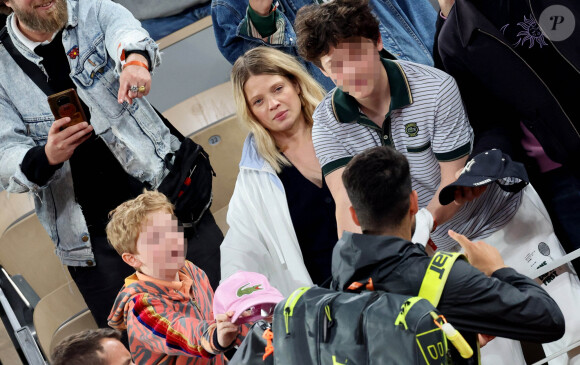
(418, 111)
(414, 108)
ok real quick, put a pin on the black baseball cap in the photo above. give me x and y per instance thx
(484, 169)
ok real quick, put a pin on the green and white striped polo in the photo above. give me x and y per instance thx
(428, 124)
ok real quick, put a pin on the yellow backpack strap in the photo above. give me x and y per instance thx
(401, 318)
(436, 276)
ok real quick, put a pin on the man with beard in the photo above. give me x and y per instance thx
(77, 174)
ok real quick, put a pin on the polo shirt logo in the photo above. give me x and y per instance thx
(411, 129)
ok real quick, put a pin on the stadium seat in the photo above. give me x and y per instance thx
(185, 32)
(26, 249)
(223, 141)
(78, 323)
(59, 314)
(202, 110)
(191, 64)
(13, 207)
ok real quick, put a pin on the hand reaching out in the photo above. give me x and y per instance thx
(135, 76)
(481, 255)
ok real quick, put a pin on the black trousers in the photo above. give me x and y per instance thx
(100, 284)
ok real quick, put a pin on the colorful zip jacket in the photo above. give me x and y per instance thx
(165, 325)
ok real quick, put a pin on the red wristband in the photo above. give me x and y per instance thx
(135, 63)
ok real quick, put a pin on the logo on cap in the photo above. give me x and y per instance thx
(249, 290)
(467, 167)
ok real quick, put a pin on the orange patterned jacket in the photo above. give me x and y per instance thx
(166, 326)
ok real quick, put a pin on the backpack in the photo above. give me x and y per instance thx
(188, 184)
(254, 350)
(322, 326)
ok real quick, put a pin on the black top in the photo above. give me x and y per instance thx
(499, 90)
(515, 21)
(100, 183)
(313, 214)
(508, 304)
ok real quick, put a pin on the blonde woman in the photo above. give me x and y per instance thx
(281, 215)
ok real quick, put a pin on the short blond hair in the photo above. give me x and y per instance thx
(126, 221)
(270, 61)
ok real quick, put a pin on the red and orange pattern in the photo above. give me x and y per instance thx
(166, 326)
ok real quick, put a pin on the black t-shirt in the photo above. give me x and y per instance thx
(313, 214)
(515, 20)
(100, 182)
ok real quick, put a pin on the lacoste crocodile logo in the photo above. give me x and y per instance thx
(249, 290)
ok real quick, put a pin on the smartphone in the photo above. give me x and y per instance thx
(67, 104)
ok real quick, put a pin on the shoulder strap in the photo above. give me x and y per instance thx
(436, 276)
(168, 124)
(32, 70)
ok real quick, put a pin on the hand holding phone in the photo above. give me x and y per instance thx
(62, 142)
(67, 104)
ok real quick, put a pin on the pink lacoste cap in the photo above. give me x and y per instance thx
(248, 294)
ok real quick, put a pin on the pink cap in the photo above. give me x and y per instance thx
(246, 291)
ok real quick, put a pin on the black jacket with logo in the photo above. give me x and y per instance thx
(506, 305)
(500, 89)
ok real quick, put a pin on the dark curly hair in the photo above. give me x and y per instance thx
(318, 27)
(378, 184)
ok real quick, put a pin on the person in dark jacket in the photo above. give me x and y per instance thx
(516, 64)
(496, 301)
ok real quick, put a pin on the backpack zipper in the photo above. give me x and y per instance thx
(327, 321)
(290, 303)
(359, 330)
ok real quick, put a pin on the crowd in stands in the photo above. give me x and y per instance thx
(381, 133)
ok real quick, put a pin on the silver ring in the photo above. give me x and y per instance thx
(134, 89)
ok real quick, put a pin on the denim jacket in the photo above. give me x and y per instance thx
(95, 35)
(407, 28)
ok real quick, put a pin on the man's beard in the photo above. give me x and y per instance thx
(54, 21)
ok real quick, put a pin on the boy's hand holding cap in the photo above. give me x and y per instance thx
(248, 295)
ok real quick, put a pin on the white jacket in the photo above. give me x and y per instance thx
(261, 237)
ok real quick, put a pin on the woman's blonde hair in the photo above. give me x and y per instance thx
(126, 221)
(269, 61)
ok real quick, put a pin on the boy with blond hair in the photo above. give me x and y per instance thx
(166, 306)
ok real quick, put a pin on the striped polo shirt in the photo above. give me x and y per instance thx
(426, 122)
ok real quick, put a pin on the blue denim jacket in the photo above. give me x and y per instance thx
(407, 28)
(134, 133)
